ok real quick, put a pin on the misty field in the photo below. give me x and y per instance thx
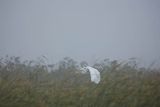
(34, 84)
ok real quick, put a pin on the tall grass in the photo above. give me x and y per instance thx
(24, 84)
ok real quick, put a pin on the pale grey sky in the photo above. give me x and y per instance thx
(82, 29)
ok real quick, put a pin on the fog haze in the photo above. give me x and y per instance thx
(82, 29)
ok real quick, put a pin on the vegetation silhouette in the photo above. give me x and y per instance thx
(31, 84)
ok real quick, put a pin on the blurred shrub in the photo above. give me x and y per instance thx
(30, 84)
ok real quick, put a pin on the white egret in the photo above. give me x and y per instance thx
(94, 73)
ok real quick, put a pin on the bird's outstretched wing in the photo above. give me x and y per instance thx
(94, 73)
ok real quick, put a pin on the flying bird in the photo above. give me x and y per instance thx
(94, 73)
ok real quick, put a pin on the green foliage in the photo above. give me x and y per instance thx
(29, 84)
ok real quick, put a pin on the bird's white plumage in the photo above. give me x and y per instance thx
(94, 74)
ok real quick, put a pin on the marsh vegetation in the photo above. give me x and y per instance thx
(32, 84)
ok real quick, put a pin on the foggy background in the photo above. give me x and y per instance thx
(87, 30)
